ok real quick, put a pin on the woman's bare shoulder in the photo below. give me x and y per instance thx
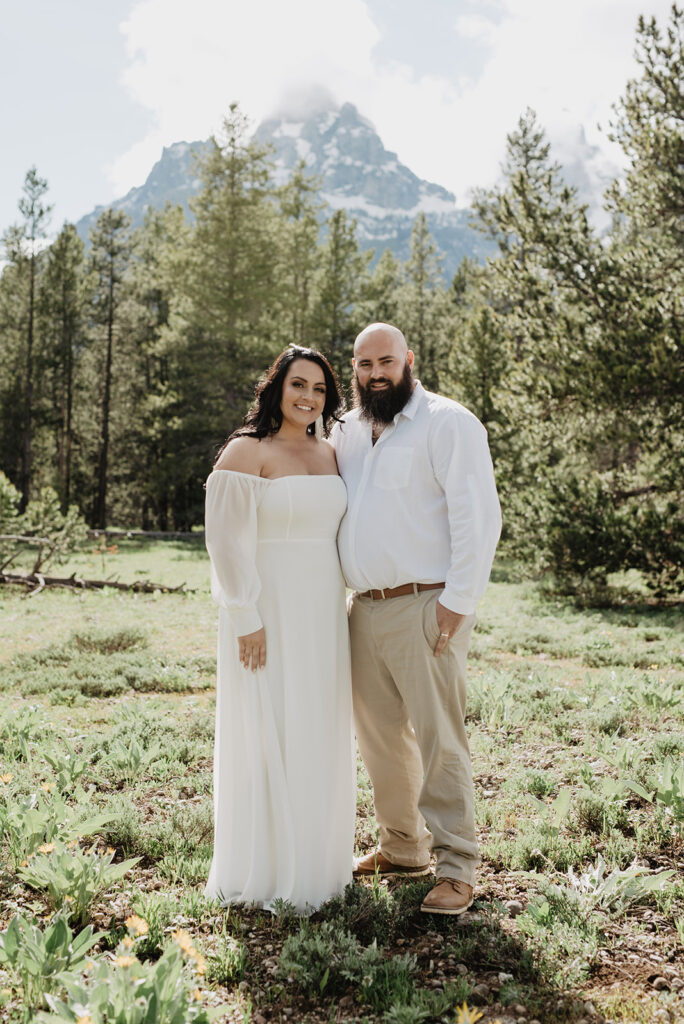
(329, 454)
(242, 455)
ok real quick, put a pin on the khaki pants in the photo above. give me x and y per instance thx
(409, 710)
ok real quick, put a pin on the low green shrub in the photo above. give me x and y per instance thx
(103, 641)
(226, 963)
(72, 878)
(124, 989)
(42, 960)
(326, 958)
(44, 817)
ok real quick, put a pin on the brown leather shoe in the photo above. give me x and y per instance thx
(449, 896)
(365, 867)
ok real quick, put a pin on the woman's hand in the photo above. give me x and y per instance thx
(252, 649)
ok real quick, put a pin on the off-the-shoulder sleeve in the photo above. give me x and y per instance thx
(231, 536)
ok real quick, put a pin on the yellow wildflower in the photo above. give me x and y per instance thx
(467, 1016)
(124, 961)
(46, 848)
(200, 963)
(89, 966)
(111, 851)
(24, 863)
(184, 941)
(197, 995)
(7, 777)
(84, 1020)
(127, 943)
(69, 899)
(47, 786)
(137, 925)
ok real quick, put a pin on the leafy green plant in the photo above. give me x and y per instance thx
(159, 911)
(226, 964)
(187, 868)
(68, 768)
(426, 1004)
(107, 641)
(669, 792)
(494, 700)
(42, 818)
(62, 532)
(125, 990)
(617, 891)
(129, 759)
(553, 814)
(17, 731)
(72, 877)
(383, 983)
(564, 934)
(326, 957)
(369, 912)
(41, 961)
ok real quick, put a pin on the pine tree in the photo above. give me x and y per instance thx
(62, 316)
(380, 302)
(298, 256)
(110, 249)
(234, 244)
(479, 357)
(22, 248)
(341, 283)
(152, 438)
(13, 307)
(422, 305)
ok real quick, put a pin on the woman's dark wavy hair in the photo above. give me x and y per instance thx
(265, 416)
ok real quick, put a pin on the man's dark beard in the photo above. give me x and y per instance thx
(383, 406)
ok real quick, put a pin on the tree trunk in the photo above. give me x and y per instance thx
(28, 394)
(100, 512)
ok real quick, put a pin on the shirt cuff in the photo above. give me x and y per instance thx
(458, 603)
(245, 620)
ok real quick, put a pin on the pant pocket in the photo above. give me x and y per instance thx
(430, 627)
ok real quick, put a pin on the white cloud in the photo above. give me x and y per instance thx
(568, 59)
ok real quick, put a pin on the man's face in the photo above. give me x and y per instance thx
(383, 378)
(379, 360)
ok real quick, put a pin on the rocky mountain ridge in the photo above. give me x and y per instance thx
(341, 148)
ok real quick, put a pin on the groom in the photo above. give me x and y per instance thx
(416, 545)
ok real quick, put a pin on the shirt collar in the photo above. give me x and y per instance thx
(411, 407)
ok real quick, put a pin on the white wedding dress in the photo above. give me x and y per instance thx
(284, 786)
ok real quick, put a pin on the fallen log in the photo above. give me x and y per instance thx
(19, 538)
(37, 581)
(146, 534)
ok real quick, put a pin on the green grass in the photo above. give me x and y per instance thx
(107, 698)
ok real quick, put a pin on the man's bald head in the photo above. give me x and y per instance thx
(383, 379)
(382, 332)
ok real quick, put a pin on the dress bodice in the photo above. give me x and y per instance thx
(294, 508)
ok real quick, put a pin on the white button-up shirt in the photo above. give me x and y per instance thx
(422, 503)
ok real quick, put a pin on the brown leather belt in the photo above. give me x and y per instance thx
(405, 588)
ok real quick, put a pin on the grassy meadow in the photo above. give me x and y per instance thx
(106, 730)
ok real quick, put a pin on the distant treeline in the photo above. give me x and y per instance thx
(122, 370)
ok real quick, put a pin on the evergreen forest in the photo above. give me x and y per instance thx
(125, 364)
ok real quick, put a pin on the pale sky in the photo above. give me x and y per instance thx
(91, 91)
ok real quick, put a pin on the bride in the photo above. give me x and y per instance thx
(284, 789)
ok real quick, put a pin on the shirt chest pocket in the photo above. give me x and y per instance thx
(393, 468)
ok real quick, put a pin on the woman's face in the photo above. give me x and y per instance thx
(303, 395)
